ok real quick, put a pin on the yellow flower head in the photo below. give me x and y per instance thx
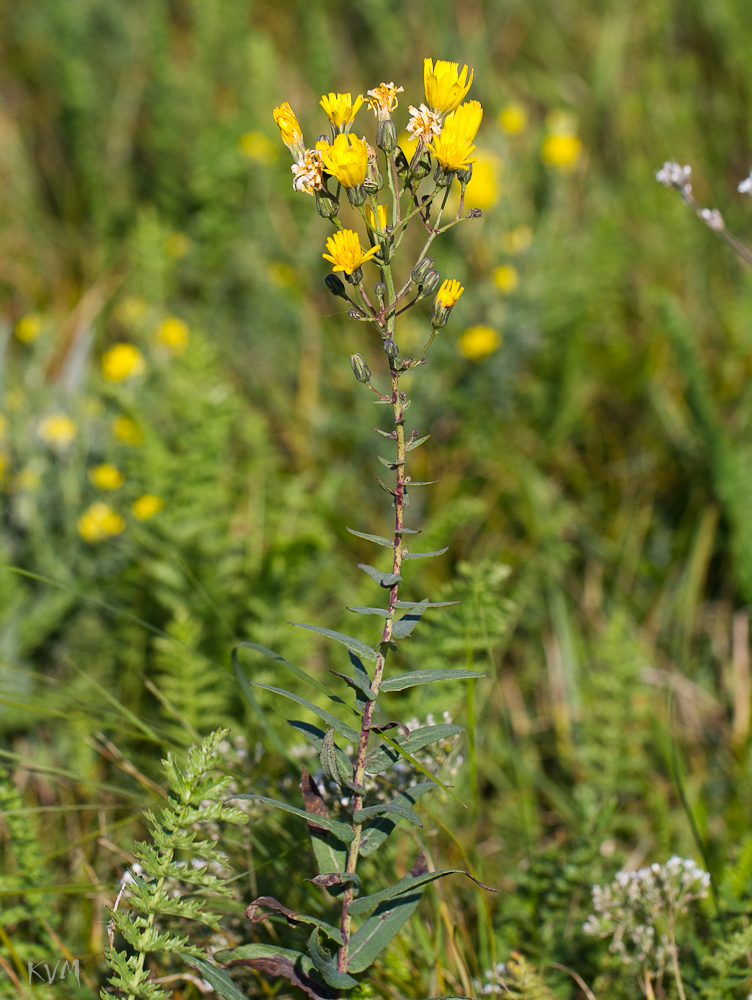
(446, 86)
(99, 522)
(340, 109)
(127, 431)
(512, 119)
(382, 100)
(106, 477)
(346, 159)
(382, 217)
(58, 430)
(290, 130)
(122, 361)
(146, 506)
(452, 148)
(506, 278)
(28, 327)
(477, 342)
(345, 251)
(449, 293)
(174, 334)
(561, 150)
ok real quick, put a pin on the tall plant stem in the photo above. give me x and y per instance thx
(675, 955)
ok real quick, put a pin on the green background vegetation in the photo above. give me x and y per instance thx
(595, 470)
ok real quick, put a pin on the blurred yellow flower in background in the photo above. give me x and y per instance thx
(177, 245)
(446, 86)
(506, 278)
(258, 147)
(99, 522)
(484, 187)
(28, 327)
(477, 342)
(127, 431)
(517, 240)
(132, 310)
(106, 476)
(174, 334)
(512, 119)
(58, 430)
(146, 506)
(122, 361)
(561, 150)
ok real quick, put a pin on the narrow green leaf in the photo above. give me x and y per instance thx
(384, 487)
(408, 531)
(376, 933)
(361, 679)
(328, 758)
(425, 604)
(257, 912)
(426, 555)
(403, 628)
(403, 811)
(341, 830)
(412, 445)
(290, 667)
(428, 676)
(384, 612)
(358, 683)
(383, 579)
(323, 963)
(347, 640)
(217, 978)
(342, 728)
(315, 737)
(375, 835)
(279, 962)
(365, 903)
(392, 465)
(386, 434)
(430, 482)
(385, 755)
(378, 539)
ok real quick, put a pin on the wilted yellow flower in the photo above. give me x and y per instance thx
(146, 506)
(290, 130)
(308, 173)
(382, 217)
(28, 327)
(506, 278)
(122, 361)
(345, 251)
(445, 85)
(477, 342)
(512, 119)
(132, 310)
(449, 293)
(127, 431)
(453, 147)
(382, 100)
(106, 476)
(177, 245)
(484, 188)
(58, 429)
(561, 150)
(174, 334)
(340, 109)
(256, 146)
(423, 124)
(99, 522)
(346, 159)
(517, 240)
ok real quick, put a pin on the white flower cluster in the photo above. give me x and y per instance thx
(672, 175)
(745, 186)
(635, 907)
(492, 982)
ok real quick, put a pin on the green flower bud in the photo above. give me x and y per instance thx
(356, 277)
(386, 136)
(465, 174)
(390, 349)
(430, 284)
(335, 285)
(421, 269)
(357, 195)
(360, 369)
(442, 177)
(326, 204)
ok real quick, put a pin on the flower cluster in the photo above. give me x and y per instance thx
(672, 175)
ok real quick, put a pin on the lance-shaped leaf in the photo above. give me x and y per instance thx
(384, 487)
(315, 737)
(324, 965)
(428, 676)
(401, 629)
(354, 645)
(217, 978)
(401, 810)
(331, 720)
(341, 830)
(425, 604)
(384, 756)
(408, 531)
(378, 539)
(358, 682)
(365, 903)
(329, 850)
(412, 445)
(269, 654)
(383, 579)
(330, 761)
(426, 555)
(279, 962)
(430, 482)
(383, 612)
(386, 434)
(264, 903)
(375, 835)
(376, 933)
(391, 463)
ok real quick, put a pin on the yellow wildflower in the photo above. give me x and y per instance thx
(290, 130)
(453, 147)
(256, 146)
(106, 476)
(517, 240)
(174, 334)
(58, 430)
(122, 361)
(345, 251)
(147, 506)
(506, 278)
(127, 431)
(512, 119)
(99, 522)
(28, 327)
(382, 217)
(131, 310)
(346, 159)
(445, 85)
(477, 342)
(561, 150)
(382, 100)
(340, 109)
(449, 293)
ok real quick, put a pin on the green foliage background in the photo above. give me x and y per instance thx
(602, 453)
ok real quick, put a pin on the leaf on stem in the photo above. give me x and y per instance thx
(366, 903)
(217, 978)
(425, 604)
(279, 962)
(331, 763)
(377, 832)
(355, 645)
(383, 579)
(384, 756)
(328, 879)
(342, 728)
(412, 445)
(391, 464)
(403, 811)
(340, 830)
(426, 555)
(428, 676)
(270, 903)
(330, 852)
(376, 933)
(378, 539)
(324, 965)
(384, 612)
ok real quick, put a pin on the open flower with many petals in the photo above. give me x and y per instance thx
(446, 86)
(424, 124)
(340, 109)
(308, 172)
(453, 147)
(345, 252)
(382, 100)
(290, 130)
(346, 159)
(449, 293)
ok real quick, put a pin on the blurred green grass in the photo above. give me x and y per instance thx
(601, 452)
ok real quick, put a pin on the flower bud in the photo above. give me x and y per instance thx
(442, 177)
(420, 165)
(390, 349)
(465, 174)
(356, 313)
(357, 195)
(360, 369)
(430, 284)
(326, 204)
(386, 136)
(374, 180)
(335, 285)
(356, 277)
(380, 291)
(421, 269)
(447, 297)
